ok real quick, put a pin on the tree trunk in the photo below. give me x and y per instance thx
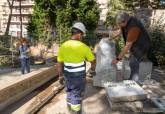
(10, 16)
(20, 18)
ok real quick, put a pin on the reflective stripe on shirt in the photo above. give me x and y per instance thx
(74, 67)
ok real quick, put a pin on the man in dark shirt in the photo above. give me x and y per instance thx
(136, 39)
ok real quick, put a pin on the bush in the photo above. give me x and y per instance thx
(4, 51)
(5, 41)
(119, 45)
(7, 61)
(157, 35)
(91, 39)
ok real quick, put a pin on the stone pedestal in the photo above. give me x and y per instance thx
(107, 75)
(145, 70)
(105, 71)
(126, 71)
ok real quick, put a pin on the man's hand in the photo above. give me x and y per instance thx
(114, 61)
(61, 80)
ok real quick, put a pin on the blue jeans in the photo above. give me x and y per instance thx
(25, 65)
(134, 66)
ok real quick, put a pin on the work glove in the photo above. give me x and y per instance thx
(61, 80)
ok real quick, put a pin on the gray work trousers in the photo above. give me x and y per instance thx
(134, 66)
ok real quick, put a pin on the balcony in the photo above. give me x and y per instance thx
(24, 3)
(22, 12)
(4, 4)
(24, 21)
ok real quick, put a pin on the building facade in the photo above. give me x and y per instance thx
(15, 23)
(26, 10)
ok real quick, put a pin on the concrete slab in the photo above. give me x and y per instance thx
(127, 90)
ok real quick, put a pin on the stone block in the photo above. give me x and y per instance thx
(127, 90)
(105, 71)
(107, 75)
(145, 70)
(126, 71)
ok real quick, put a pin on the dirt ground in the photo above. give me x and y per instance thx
(96, 102)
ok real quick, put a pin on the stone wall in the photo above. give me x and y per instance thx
(149, 16)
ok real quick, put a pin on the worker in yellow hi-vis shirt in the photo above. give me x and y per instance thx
(71, 59)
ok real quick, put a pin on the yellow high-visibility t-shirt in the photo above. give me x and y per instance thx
(74, 51)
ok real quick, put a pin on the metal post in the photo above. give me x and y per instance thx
(12, 54)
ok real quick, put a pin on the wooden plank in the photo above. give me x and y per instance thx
(43, 97)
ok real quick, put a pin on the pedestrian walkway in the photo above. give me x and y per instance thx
(9, 75)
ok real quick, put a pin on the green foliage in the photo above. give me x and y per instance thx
(114, 7)
(88, 13)
(129, 5)
(5, 61)
(119, 45)
(59, 15)
(91, 39)
(110, 20)
(4, 50)
(64, 34)
(5, 41)
(156, 31)
(36, 26)
(4, 45)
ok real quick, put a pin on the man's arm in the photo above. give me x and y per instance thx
(60, 73)
(133, 34)
(93, 65)
(125, 50)
(60, 68)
